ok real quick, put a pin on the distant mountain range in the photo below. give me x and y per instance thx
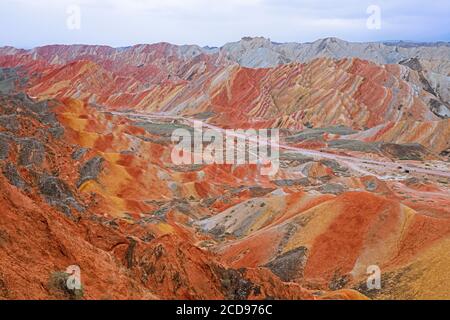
(260, 52)
(133, 72)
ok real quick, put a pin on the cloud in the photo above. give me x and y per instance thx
(214, 22)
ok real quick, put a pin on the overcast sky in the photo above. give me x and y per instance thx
(30, 23)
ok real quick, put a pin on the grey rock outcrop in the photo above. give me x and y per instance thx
(90, 170)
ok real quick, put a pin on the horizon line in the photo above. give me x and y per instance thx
(419, 42)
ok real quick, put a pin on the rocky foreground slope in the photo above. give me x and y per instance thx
(87, 177)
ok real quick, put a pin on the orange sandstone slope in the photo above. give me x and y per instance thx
(57, 200)
(330, 246)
